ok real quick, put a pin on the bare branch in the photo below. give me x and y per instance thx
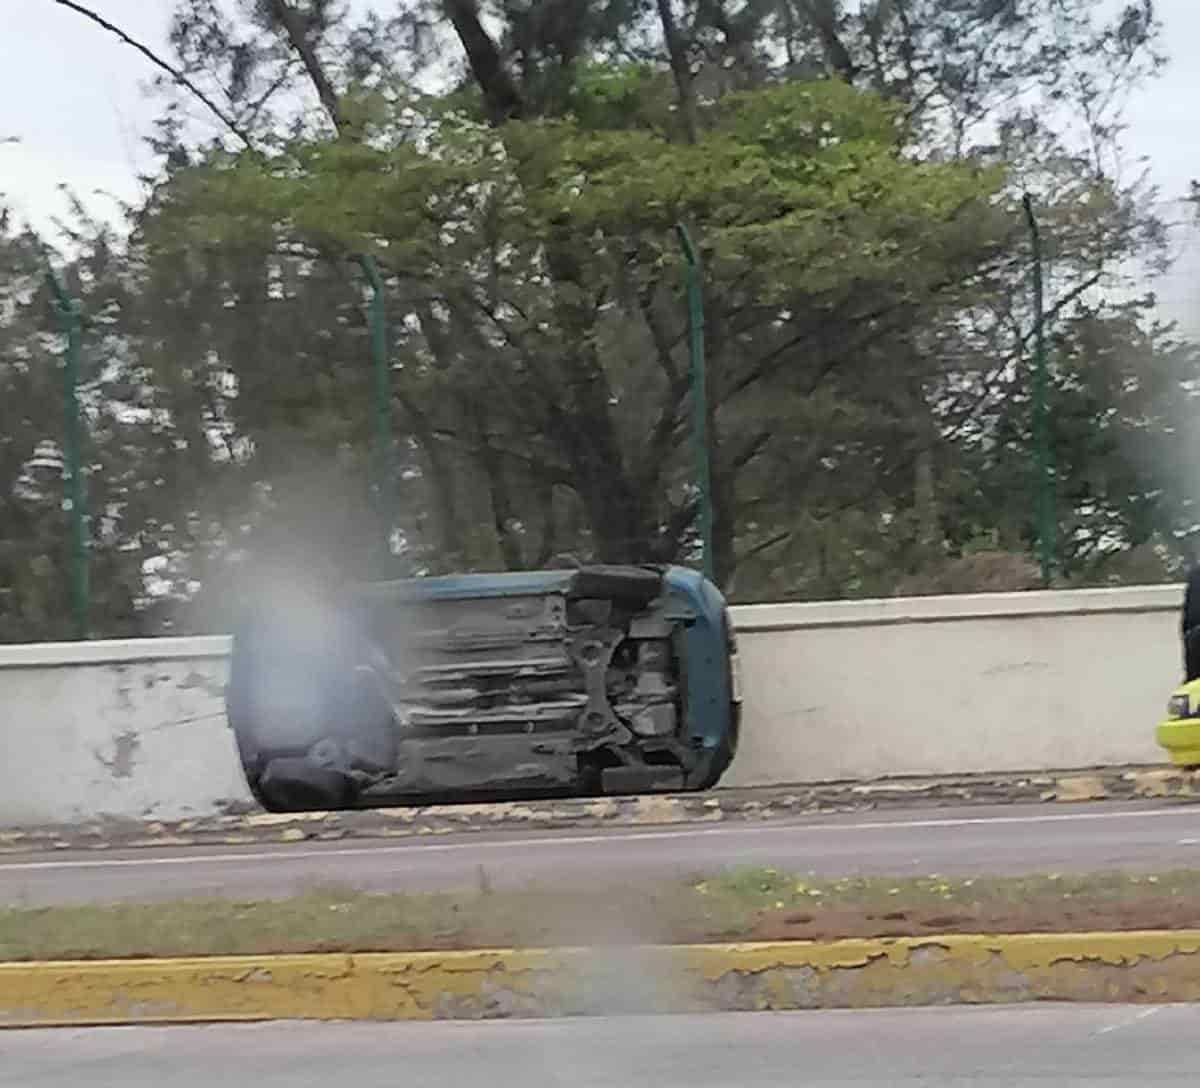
(994, 380)
(487, 66)
(823, 16)
(277, 84)
(549, 525)
(158, 62)
(677, 522)
(663, 343)
(770, 542)
(293, 25)
(536, 463)
(751, 448)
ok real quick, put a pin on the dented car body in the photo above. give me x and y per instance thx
(583, 681)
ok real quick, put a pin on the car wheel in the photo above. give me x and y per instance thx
(295, 785)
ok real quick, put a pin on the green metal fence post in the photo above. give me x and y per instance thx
(382, 473)
(67, 311)
(699, 384)
(1046, 518)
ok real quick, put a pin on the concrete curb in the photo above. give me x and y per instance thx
(972, 969)
(1123, 783)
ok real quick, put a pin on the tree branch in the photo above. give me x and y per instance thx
(770, 542)
(681, 70)
(158, 62)
(822, 14)
(908, 52)
(279, 82)
(662, 435)
(750, 449)
(536, 464)
(500, 93)
(765, 365)
(503, 513)
(549, 525)
(680, 519)
(445, 484)
(293, 25)
(993, 380)
(663, 344)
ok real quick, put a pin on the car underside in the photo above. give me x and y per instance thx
(593, 680)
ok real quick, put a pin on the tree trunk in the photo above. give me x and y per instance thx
(925, 500)
(681, 69)
(579, 414)
(293, 26)
(503, 512)
(549, 545)
(451, 542)
(823, 15)
(487, 65)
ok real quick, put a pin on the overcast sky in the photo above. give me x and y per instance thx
(72, 97)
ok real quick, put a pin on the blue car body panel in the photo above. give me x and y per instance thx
(709, 685)
(459, 587)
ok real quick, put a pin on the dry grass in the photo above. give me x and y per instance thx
(748, 904)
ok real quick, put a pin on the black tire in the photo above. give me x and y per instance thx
(1191, 655)
(1190, 626)
(295, 785)
(1191, 600)
(346, 710)
(251, 771)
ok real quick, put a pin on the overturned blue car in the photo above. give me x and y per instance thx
(586, 681)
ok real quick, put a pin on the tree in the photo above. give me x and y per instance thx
(854, 173)
(544, 249)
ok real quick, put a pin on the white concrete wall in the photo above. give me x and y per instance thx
(942, 685)
(134, 728)
(839, 690)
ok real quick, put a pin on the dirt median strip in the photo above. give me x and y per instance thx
(748, 905)
(753, 939)
(505, 984)
(726, 805)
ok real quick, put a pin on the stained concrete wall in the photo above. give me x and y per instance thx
(944, 685)
(131, 729)
(840, 690)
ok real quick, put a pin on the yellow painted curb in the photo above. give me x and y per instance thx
(1153, 966)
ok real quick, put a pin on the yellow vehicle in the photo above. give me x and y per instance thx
(1179, 733)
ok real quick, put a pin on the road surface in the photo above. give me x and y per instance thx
(968, 841)
(1014, 1047)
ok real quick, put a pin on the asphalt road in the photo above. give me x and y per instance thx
(1017, 1047)
(969, 841)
